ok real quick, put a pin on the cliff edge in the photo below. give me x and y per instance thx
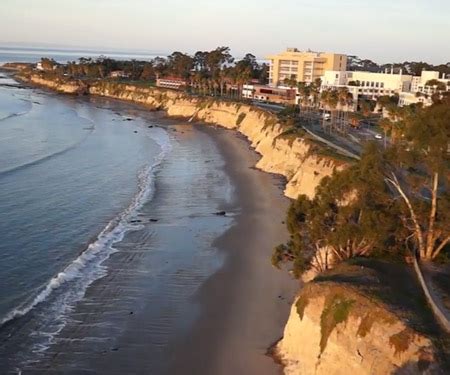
(351, 319)
(360, 318)
(281, 152)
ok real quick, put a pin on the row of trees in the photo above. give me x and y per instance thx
(408, 67)
(208, 72)
(391, 201)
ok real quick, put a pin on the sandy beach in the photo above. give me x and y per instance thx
(245, 304)
(191, 292)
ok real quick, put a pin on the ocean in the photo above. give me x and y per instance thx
(132, 243)
(33, 55)
(94, 190)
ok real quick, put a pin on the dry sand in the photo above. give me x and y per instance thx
(244, 305)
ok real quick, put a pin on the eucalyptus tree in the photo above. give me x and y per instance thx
(351, 215)
(419, 176)
(160, 66)
(180, 65)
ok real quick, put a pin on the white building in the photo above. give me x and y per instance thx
(367, 84)
(173, 83)
(408, 98)
(421, 91)
(419, 84)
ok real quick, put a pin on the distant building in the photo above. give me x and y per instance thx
(408, 98)
(419, 84)
(367, 84)
(424, 87)
(171, 83)
(118, 74)
(303, 66)
(269, 94)
(39, 66)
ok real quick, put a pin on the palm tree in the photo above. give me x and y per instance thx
(329, 100)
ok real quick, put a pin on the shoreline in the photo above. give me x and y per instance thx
(237, 283)
(246, 302)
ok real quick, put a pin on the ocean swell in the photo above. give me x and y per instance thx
(87, 267)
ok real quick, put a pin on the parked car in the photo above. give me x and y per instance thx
(378, 136)
(327, 116)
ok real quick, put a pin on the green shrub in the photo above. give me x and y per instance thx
(336, 310)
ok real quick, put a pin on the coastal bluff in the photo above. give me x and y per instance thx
(281, 153)
(333, 327)
(358, 318)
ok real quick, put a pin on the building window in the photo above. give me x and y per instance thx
(382, 85)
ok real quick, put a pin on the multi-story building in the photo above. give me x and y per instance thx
(424, 87)
(119, 74)
(269, 94)
(303, 66)
(367, 84)
(421, 83)
(173, 83)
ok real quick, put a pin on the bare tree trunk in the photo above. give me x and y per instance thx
(418, 231)
(432, 219)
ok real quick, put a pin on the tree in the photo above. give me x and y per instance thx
(351, 215)
(387, 101)
(329, 99)
(354, 83)
(48, 64)
(148, 72)
(419, 175)
(436, 84)
(216, 59)
(200, 61)
(160, 66)
(290, 82)
(262, 73)
(180, 65)
(345, 98)
(366, 107)
(304, 91)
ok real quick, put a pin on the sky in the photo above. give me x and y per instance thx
(381, 30)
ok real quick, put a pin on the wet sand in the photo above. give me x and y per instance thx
(193, 292)
(245, 305)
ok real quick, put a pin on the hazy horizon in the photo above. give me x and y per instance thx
(383, 32)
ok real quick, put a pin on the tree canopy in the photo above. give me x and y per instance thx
(393, 201)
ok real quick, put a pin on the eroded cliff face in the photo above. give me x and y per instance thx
(291, 158)
(60, 85)
(333, 329)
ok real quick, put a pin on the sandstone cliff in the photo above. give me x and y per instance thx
(332, 329)
(66, 86)
(337, 326)
(291, 157)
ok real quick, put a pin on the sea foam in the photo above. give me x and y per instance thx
(88, 265)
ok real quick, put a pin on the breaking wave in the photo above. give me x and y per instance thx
(87, 267)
